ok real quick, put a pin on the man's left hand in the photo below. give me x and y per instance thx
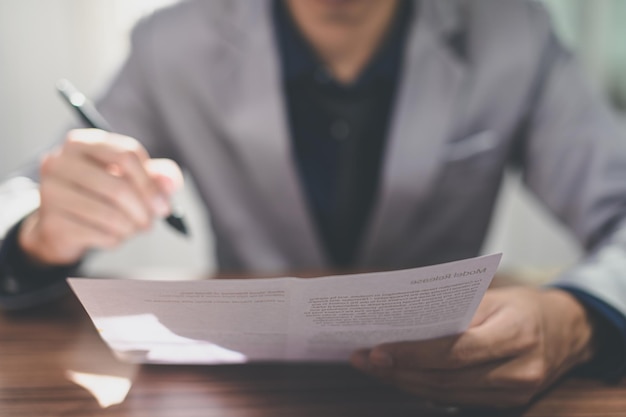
(520, 341)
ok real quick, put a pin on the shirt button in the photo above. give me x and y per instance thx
(10, 285)
(340, 129)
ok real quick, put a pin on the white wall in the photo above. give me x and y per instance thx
(531, 241)
(84, 40)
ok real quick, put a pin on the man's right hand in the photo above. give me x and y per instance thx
(97, 190)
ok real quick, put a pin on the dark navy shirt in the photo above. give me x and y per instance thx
(338, 131)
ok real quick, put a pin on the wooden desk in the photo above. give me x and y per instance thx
(41, 349)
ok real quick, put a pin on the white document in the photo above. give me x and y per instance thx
(282, 319)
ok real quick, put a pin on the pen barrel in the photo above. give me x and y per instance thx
(92, 118)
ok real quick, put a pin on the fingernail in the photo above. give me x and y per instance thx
(160, 206)
(381, 360)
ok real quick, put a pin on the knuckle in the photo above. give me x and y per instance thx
(529, 337)
(48, 164)
(119, 193)
(127, 158)
(46, 193)
(72, 135)
(143, 220)
(126, 144)
(73, 139)
(134, 227)
(532, 376)
(458, 357)
(49, 228)
(134, 147)
(145, 224)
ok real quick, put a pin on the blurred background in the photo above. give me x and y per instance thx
(85, 41)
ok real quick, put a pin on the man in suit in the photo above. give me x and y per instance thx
(354, 134)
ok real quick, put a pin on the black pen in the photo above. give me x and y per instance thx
(90, 115)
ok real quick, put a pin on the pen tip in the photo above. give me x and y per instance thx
(177, 223)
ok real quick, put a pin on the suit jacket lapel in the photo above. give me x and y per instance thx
(259, 129)
(423, 119)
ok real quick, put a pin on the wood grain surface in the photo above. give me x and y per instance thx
(41, 349)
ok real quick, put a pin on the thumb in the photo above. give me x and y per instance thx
(488, 306)
(166, 173)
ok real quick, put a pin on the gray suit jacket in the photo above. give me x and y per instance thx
(485, 86)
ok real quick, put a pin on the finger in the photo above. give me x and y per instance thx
(123, 156)
(78, 205)
(65, 239)
(433, 353)
(102, 146)
(92, 180)
(167, 174)
(521, 373)
(503, 335)
(71, 233)
(507, 333)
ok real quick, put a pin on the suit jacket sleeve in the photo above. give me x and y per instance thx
(574, 159)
